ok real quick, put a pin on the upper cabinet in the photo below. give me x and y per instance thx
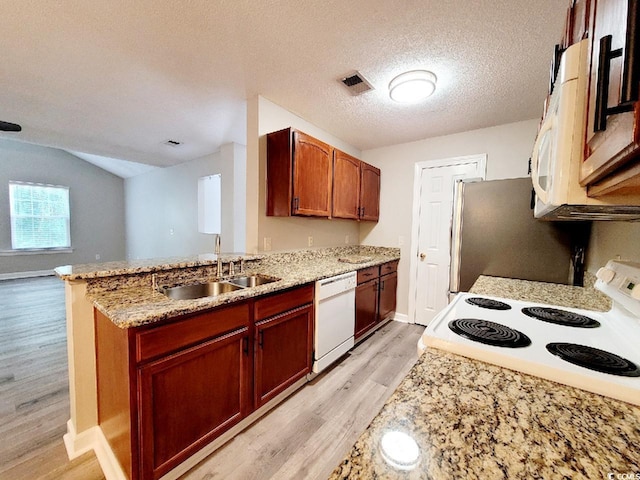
(612, 147)
(577, 23)
(369, 193)
(299, 171)
(356, 188)
(346, 186)
(310, 178)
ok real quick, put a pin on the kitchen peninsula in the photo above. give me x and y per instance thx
(135, 354)
(470, 419)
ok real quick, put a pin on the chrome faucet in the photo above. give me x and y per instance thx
(219, 263)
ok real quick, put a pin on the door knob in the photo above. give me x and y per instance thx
(423, 256)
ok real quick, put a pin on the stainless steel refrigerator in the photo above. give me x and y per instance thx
(494, 233)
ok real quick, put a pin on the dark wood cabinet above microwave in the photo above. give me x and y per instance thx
(612, 144)
(307, 177)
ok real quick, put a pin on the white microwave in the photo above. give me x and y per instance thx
(558, 151)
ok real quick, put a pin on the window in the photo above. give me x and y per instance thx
(39, 216)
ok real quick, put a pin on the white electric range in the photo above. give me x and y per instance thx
(594, 351)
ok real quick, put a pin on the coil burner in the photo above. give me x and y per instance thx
(594, 359)
(488, 303)
(560, 317)
(489, 333)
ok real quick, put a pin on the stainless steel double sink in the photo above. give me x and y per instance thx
(212, 289)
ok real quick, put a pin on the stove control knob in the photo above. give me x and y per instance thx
(606, 275)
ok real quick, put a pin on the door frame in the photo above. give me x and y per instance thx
(480, 160)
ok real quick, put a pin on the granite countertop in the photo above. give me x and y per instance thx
(586, 297)
(473, 420)
(127, 296)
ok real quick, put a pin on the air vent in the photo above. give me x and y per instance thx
(356, 83)
(173, 143)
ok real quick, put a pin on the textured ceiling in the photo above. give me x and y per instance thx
(118, 78)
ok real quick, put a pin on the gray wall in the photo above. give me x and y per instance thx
(613, 240)
(162, 207)
(96, 202)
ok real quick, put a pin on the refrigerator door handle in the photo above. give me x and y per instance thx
(456, 236)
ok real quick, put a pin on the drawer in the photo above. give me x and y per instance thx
(156, 341)
(389, 267)
(367, 274)
(283, 302)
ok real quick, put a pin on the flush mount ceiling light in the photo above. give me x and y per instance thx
(412, 86)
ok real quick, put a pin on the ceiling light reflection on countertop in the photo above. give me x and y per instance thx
(412, 86)
(399, 450)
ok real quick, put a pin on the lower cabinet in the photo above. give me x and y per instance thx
(188, 399)
(366, 306)
(375, 297)
(165, 391)
(387, 300)
(284, 342)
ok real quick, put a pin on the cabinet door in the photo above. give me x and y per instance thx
(346, 186)
(283, 352)
(613, 136)
(369, 192)
(577, 23)
(187, 399)
(312, 161)
(388, 285)
(366, 307)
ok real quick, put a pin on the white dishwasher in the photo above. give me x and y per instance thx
(335, 319)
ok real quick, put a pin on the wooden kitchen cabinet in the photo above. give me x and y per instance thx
(577, 22)
(369, 193)
(356, 188)
(189, 398)
(346, 186)
(366, 306)
(612, 150)
(375, 297)
(167, 390)
(283, 341)
(307, 177)
(299, 175)
(388, 288)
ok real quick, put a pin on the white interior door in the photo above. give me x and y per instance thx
(434, 235)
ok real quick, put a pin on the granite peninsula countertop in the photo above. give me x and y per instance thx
(125, 293)
(473, 420)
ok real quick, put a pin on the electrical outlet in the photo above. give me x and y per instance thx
(171, 231)
(310, 241)
(267, 244)
(346, 239)
(97, 256)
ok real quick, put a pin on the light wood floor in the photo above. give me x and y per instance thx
(303, 438)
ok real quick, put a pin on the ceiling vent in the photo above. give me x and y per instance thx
(172, 143)
(356, 83)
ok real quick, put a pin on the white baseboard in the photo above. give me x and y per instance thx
(32, 274)
(401, 317)
(93, 439)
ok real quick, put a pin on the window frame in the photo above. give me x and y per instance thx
(13, 216)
